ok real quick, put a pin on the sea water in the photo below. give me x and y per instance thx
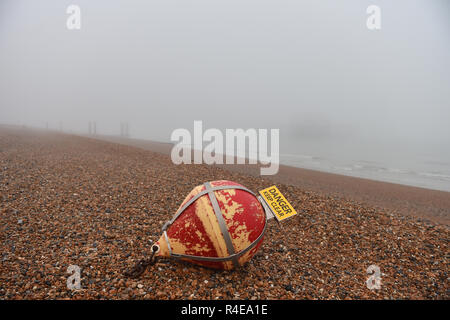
(413, 164)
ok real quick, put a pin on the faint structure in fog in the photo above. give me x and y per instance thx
(92, 127)
(124, 130)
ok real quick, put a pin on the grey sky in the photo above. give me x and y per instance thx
(310, 68)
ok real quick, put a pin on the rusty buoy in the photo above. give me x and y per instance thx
(220, 225)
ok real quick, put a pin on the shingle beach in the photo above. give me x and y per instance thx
(71, 200)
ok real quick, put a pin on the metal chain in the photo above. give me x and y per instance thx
(141, 266)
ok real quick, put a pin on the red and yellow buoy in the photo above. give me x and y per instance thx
(220, 225)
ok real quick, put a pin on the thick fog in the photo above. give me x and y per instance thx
(310, 68)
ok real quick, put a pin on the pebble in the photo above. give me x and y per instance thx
(63, 185)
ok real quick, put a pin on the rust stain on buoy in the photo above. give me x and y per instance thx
(222, 227)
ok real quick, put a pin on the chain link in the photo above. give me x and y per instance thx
(141, 266)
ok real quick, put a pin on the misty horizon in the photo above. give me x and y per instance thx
(334, 88)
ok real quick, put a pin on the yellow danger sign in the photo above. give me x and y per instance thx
(277, 203)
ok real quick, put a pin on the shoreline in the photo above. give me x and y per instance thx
(425, 204)
(428, 204)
